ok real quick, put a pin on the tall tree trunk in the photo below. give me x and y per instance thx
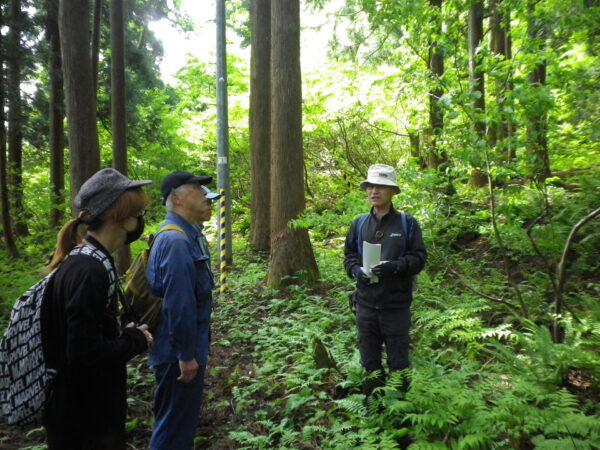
(477, 86)
(415, 144)
(593, 32)
(74, 28)
(476, 76)
(511, 123)
(56, 117)
(118, 109)
(291, 250)
(496, 131)
(96, 41)
(7, 233)
(15, 130)
(435, 61)
(537, 126)
(500, 131)
(260, 123)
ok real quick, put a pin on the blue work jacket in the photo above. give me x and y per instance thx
(179, 272)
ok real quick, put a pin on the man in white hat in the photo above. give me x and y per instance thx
(383, 295)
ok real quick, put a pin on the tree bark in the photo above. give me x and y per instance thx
(537, 126)
(435, 62)
(15, 130)
(476, 76)
(118, 109)
(56, 115)
(501, 129)
(477, 86)
(260, 123)
(74, 28)
(96, 41)
(415, 144)
(291, 250)
(7, 233)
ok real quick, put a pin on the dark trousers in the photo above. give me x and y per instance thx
(383, 326)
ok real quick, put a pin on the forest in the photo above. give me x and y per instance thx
(489, 111)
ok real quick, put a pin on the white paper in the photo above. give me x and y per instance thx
(371, 257)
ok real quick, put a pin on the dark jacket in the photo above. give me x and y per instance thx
(394, 291)
(82, 339)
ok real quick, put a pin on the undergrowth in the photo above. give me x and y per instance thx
(484, 375)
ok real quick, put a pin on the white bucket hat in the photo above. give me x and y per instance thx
(382, 175)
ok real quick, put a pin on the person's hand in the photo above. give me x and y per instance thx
(361, 277)
(386, 269)
(149, 339)
(188, 369)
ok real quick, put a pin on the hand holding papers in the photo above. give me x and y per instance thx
(371, 257)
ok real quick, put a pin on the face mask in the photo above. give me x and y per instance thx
(134, 235)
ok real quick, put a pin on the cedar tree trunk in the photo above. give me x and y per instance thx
(291, 250)
(260, 123)
(74, 28)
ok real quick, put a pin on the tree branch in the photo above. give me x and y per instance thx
(479, 293)
(499, 237)
(537, 249)
(383, 129)
(560, 274)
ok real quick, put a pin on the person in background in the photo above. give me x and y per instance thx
(82, 338)
(383, 301)
(179, 272)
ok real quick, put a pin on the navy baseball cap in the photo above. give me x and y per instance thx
(176, 179)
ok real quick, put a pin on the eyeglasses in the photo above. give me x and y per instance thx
(370, 187)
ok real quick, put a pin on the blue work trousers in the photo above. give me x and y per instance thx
(176, 408)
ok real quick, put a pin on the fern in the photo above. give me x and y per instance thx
(473, 442)
(249, 440)
(426, 445)
(542, 443)
(353, 404)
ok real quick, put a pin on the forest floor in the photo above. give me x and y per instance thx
(217, 404)
(231, 365)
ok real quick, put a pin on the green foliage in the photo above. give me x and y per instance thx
(483, 375)
(473, 385)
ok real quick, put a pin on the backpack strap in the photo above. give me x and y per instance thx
(361, 222)
(359, 226)
(167, 227)
(95, 253)
(171, 226)
(406, 232)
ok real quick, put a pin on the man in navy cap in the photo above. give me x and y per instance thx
(179, 272)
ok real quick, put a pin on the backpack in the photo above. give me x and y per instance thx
(25, 381)
(139, 303)
(359, 226)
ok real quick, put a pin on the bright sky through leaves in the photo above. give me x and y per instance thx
(316, 29)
